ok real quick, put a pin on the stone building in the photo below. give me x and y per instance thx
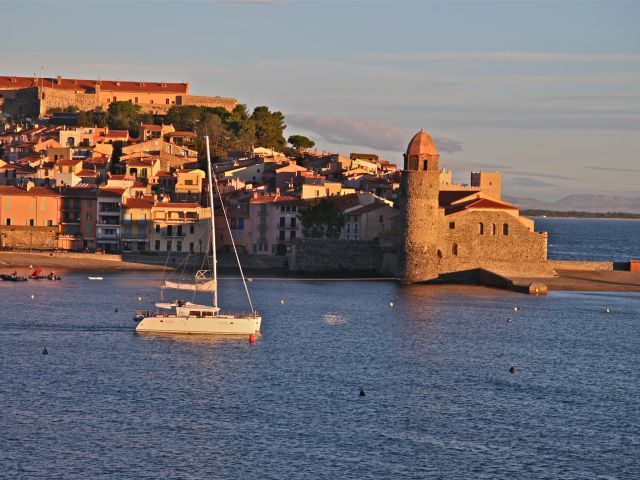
(34, 96)
(454, 231)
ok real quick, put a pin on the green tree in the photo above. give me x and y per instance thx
(322, 219)
(92, 118)
(124, 116)
(300, 142)
(115, 157)
(269, 128)
(220, 138)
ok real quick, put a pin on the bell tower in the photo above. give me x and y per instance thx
(419, 191)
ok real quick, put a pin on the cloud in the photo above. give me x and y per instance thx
(530, 182)
(612, 169)
(367, 133)
(511, 57)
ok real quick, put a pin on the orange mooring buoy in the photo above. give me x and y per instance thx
(252, 339)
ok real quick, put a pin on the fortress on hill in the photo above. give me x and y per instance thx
(447, 231)
(34, 96)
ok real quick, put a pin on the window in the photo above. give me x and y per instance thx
(32, 222)
(288, 209)
(381, 218)
(167, 101)
(493, 229)
(170, 231)
(282, 208)
(293, 208)
(282, 220)
(179, 246)
(454, 249)
(136, 99)
(157, 228)
(481, 230)
(115, 99)
(424, 165)
(157, 246)
(292, 234)
(49, 223)
(179, 231)
(505, 229)
(191, 247)
(89, 216)
(87, 229)
(282, 232)
(192, 229)
(293, 222)
(8, 221)
(169, 245)
(188, 182)
(89, 203)
(452, 225)
(439, 253)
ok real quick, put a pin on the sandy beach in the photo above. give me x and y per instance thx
(10, 261)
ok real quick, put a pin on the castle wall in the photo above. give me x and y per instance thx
(26, 238)
(321, 255)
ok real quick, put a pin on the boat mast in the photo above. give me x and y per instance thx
(213, 226)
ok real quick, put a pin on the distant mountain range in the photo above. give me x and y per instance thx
(580, 203)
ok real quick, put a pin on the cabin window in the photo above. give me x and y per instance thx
(194, 313)
(505, 229)
(207, 314)
(454, 249)
(493, 229)
(452, 225)
(481, 229)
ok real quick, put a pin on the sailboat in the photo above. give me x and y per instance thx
(191, 318)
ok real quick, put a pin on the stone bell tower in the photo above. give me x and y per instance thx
(419, 190)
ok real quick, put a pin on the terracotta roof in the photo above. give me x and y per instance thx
(9, 82)
(181, 134)
(34, 191)
(87, 173)
(151, 127)
(138, 203)
(67, 163)
(422, 143)
(480, 203)
(277, 199)
(176, 205)
(115, 133)
(112, 191)
(449, 197)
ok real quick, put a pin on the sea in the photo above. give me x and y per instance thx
(433, 361)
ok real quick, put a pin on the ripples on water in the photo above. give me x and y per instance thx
(440, 403)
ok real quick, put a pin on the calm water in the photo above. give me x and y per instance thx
(591, 239)
(440, 403)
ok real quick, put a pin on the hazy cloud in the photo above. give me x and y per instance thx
(367, 133)
(537, 57)
(612, 169)
(530, 182)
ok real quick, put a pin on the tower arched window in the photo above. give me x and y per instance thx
(424, 165)
(505, 229)
(454, 249)
(493, 229)
(481, 229)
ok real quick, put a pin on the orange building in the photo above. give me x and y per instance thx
(31, 206)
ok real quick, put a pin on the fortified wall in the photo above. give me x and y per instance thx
(28, 238)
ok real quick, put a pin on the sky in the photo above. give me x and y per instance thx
(546, 92)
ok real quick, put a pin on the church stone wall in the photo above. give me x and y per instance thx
(421, 224)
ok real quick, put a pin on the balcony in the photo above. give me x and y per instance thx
(136, 222)
(136, 236)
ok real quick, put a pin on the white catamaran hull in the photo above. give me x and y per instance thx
(218, 325)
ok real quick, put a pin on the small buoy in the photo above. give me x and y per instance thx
(139, 298)
(512, 369)
(515, 309)
(115, 310)
(282, 301)
(361, 392)
(252, 339)
(606, 310)
(44, 352)
(32, 296)
(391, 304)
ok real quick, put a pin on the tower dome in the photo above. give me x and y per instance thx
(422, 144)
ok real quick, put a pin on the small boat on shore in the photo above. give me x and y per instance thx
(95, 278)
(13, 277)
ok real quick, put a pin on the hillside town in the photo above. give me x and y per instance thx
(142, 189)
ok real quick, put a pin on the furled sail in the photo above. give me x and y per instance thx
(208, 286)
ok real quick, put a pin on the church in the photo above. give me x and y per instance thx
(450, 230)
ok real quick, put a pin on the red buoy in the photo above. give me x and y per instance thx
(252, 339)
